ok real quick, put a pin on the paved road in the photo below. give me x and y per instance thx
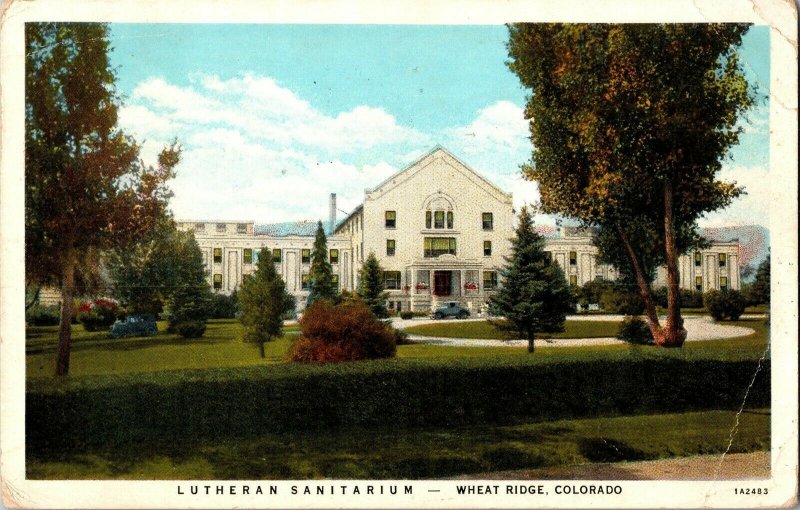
(736, 466)
(698, 328)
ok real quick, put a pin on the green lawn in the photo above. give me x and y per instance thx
(417, 453)
(486, 330)
(221, 346)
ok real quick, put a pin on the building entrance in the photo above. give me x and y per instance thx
(442, 283)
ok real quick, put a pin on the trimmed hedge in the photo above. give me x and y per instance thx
(228, 403)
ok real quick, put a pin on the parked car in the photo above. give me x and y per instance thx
(135, 325)
(451, 309)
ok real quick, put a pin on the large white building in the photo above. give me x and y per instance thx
(439, 230)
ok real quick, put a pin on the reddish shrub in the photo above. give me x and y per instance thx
(345, 332)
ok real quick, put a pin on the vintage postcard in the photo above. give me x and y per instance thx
(398, 255)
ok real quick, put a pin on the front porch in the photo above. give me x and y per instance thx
(430, 283)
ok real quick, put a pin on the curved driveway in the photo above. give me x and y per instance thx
(698, 328)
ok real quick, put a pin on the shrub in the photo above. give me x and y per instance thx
(39, 315)
(98, 314)
(344, 332)
(660, 296)
(142, 408)
(635, 331)
(714, 302)
(191, 329)
(407, 314)
(622, 301)
(400, 336)
(691, 298)
(734, 304)
(730, 303)
(224, 307)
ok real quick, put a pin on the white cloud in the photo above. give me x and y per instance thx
(749, 209)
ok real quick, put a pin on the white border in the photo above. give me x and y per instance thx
(779, 15)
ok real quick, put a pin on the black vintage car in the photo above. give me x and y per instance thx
(135, 325)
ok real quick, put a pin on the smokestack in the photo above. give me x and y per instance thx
(333, 212)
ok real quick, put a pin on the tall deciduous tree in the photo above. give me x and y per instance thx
(370, 287)
(630, 124)
(534, 296)
(321, 274)
(264, 300)
(85, 189)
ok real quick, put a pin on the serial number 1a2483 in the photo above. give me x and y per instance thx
(750, 491)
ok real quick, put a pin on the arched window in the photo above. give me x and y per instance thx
(439, 213)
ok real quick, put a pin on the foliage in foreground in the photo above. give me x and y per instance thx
(722, 304)
(128, 409)
(389, 453)
(635, 331)
(344, 332)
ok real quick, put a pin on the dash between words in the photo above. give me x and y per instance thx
(319, 490)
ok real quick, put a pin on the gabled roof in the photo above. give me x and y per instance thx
(438, 149)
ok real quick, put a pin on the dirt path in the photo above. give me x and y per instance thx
(698, 328)
(735, 466)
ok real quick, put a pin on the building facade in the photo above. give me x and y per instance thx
(440, 231)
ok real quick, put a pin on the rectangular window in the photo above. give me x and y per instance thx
(449, 219)
(487, 219)
(698, 259)
(698, 283)
(435, 246)
(222, 227)
(217, 281)
(391, 280)
(489, 280)
(438, 219)
(599, 278)
(241, 228)
(487, 248)
(573, 258)
(722, 259)
(573, 279)
(305, 256)
(723, 283)
(334, 256)
(428, 220)
(247, 256)
(217, 255)
(335, 280)
(391, 219)
(390, 247)
(199, 227)
(306, 281)
(276, 254)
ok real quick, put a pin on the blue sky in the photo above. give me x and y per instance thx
(274, 117)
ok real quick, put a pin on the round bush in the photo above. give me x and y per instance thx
(43, 315)
(344, 332)
(714, 302)
(191, 329)
(98, 314)
(635, 331)
(735, 304)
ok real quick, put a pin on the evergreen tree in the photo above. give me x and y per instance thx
(534, 296)
(190, 300)
(321, 274)
(263, 300)
(759, 292)
(371, 287)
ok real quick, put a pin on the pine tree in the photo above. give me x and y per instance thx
(190, 301)
(534, 296)
(371, 287)
(263, 300)
(321, 274)
(759, 292)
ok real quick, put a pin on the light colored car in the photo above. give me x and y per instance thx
(451, 309)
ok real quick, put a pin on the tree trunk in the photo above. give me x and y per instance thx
(65, 329)
(261, 349)
(673, 334)
(530, 342)
(644, 287)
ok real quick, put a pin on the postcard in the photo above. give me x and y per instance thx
(401, 255)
